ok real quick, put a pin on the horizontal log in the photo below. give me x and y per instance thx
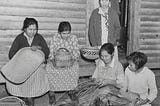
(150, 18)
(149, 12)
(66, 1)
(153, 65)
(43, 19)
(9, 25)
(150, 24)
(43, 5)
(151, 5)
(149, 47)
(154, 60)
(149, 41)
(150, 1)
(150, 36)
(151, 53)
(149, 30)
(16, 11)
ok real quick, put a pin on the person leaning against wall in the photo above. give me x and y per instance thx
(104, 25)
(36, 84)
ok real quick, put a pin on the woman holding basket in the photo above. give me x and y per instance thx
(63, 78)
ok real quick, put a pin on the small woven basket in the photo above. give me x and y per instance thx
(63, 58)
(11, 101)
(90, 53)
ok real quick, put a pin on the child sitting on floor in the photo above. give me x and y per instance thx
(140, 79)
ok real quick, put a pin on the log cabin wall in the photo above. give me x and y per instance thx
(144, 29)
(48, 13)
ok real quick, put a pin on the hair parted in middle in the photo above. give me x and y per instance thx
(64, 26)
(109, 47)
(29, 21)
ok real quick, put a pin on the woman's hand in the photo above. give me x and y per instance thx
(34, 48)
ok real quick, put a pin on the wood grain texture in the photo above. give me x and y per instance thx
(49, 13)
(146, 17)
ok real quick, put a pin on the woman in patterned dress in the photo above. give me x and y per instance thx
(63, 79)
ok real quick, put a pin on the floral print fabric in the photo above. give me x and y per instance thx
(62, 79)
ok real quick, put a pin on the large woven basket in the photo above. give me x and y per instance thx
(23, 64)
(11, 101)
(63, 58)
(90, 53)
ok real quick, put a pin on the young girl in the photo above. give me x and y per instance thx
(140, 79)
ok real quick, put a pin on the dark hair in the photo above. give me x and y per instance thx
(29, 21)
(138, 58)
(100, 3)
(109, 47)
(64, 26)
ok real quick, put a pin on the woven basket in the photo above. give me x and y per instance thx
(90, 53)
(11, 101)
(23, 64)
(63, 58)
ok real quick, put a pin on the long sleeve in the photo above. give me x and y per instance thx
(125, 87)
(52, 48)
(152, 87)
(75, 49)
(14, 48)
(91, 30)
(117, 26)
(99, 64)
(45, 48)
(120, 75)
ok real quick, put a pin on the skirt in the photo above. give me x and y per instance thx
(62, 79)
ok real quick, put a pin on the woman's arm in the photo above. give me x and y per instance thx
(152, 87)
(14, 48)
(53, 47)
(44, 47)
(75, 48)
(117, 26)
(91, 30)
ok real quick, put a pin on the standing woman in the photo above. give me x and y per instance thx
(104, 25)
(63, 79)
(36, 85)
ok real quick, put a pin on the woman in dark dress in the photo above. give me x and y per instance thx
(37, 83)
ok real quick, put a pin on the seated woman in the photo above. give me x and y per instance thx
(108, 69)
(63, 79)
(107, 78)
(37, 84)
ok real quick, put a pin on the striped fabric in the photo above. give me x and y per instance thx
(36, 85)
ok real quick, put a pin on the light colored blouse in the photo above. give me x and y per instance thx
(113, 72)
(104, 21)
(142, 83)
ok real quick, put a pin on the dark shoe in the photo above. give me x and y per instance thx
(52, 97)
(29, 101)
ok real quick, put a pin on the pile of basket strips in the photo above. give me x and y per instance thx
(91, 93)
